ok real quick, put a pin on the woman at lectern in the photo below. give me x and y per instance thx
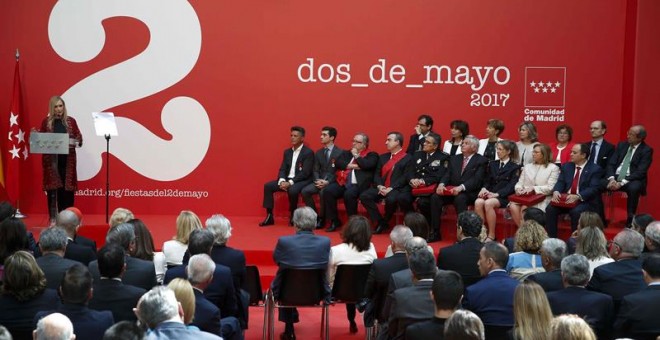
(60, 178)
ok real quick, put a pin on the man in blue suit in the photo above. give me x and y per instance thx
(304, 250)
(638, 317)
(580, 181)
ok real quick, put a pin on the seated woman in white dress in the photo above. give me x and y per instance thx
(175, 249)
(356, 248)
(538, 177)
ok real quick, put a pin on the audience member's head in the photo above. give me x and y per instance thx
(640, 222)
(144, 243)
(186, 222)
(22, 278)
(76, 285)
(529, 237)
(220, 226)
(200, 270)
(77, 212)
(534, 214)
(13, 237)
(304, 218)
(469, 224)
(200, 242)
(416, 243)
(531, 312)
(651, 268)
(553, 250)
(53, 239)
(626, 244)
(122, 235)
(464, 325)
(124, 330)
(591, 243)
(447, 290)
(417, 224)
(4, 333)
(119, 216)
(399, 236)
(493, 255)
(357, 233)
(422, 264)
(571, 327)
(68, 220)
(6, 210)
(111, 261)
(54, 326)
(184, 293)
(157, 306)
(590, 219)
(652, 238)
(575, 270)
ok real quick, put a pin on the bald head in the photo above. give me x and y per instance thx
(68, 220)
(54, 326)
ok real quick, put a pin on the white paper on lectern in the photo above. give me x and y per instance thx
(104, 123)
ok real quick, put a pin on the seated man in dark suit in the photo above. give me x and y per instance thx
(110, 293)
(623, 276)
(208, 318)
(638, 316)
(52, 243)
(465, 174)
(304, 250)
(423, 128)
(446, 292)
(428, 167)
(580, 181)
(462, 257)
(600, 153)
(76, 291)
(390, 182)
(325, 167)
(81, 240)
(84, 254)
(553, 250)
(139, 273)
(294, 174)
(159, 310)
(492, 297)
(404, 277)
(628, 168)
(413, 304)
(596, 308)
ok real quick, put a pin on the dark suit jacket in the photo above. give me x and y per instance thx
(229, 257)
(118, 298)
(618, 279)
(414, 144)
(639, 164)
(409, 305)
(429, 169)
(304, 250)
(84, 241)
(471, 178)
(492, 299)
(365, 174)
(425, 330)
(378, 279)
(325, 169)
(139, 273)
(462, 258)
(304, 164)
(80, 253)
(605, 153)
(54, 267)
(550, 281)
(220, 291)
(399, 179)
(18, 316)
(596, 308)
(207, 315)
(639, 313)
(502, 181)
(87, 323)
(589, 186)
(178, 331)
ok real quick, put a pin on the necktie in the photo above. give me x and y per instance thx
(625, 165)
(576, 179)
(592, 155)
(465, 162)
(326, 154)
(501, 165)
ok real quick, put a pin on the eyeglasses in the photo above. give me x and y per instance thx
(357, 141)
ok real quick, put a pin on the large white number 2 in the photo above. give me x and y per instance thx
(76, 34)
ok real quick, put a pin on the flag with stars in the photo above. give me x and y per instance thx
(545, 86)
(17, 146)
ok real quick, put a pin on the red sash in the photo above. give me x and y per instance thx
(386, 170)
(342, 176)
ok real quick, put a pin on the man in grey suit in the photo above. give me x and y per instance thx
(52, 243)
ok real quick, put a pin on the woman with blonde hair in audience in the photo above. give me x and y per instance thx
(184, 293)
(528, 139)
(561, 148)
(459, 130)
(590, 240)
(538, 177)
(531, 312)
(144, 249)
(526, 259)
(464, 325)
(355, 249)
(571, 327)
(175, 249)
(119, 216)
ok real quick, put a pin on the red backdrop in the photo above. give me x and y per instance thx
(205, 91)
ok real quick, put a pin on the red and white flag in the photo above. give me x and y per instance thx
(17, 145)
(545, 86)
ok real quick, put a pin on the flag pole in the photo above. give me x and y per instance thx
(18, 213)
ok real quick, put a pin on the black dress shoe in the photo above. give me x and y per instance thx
(333, 226)
(269, 220)
(381, 228)
(320, 223)
(287, 336)
(352, 328)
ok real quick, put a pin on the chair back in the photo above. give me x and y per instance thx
(349, 282)
(302, 287)
(252, 284)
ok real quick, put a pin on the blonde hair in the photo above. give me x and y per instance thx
(571, 327)
(531, 312)
(529, 237)
(119, 216)
(184, 293)
(185, 224)
(546, 152)
(51, 107)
